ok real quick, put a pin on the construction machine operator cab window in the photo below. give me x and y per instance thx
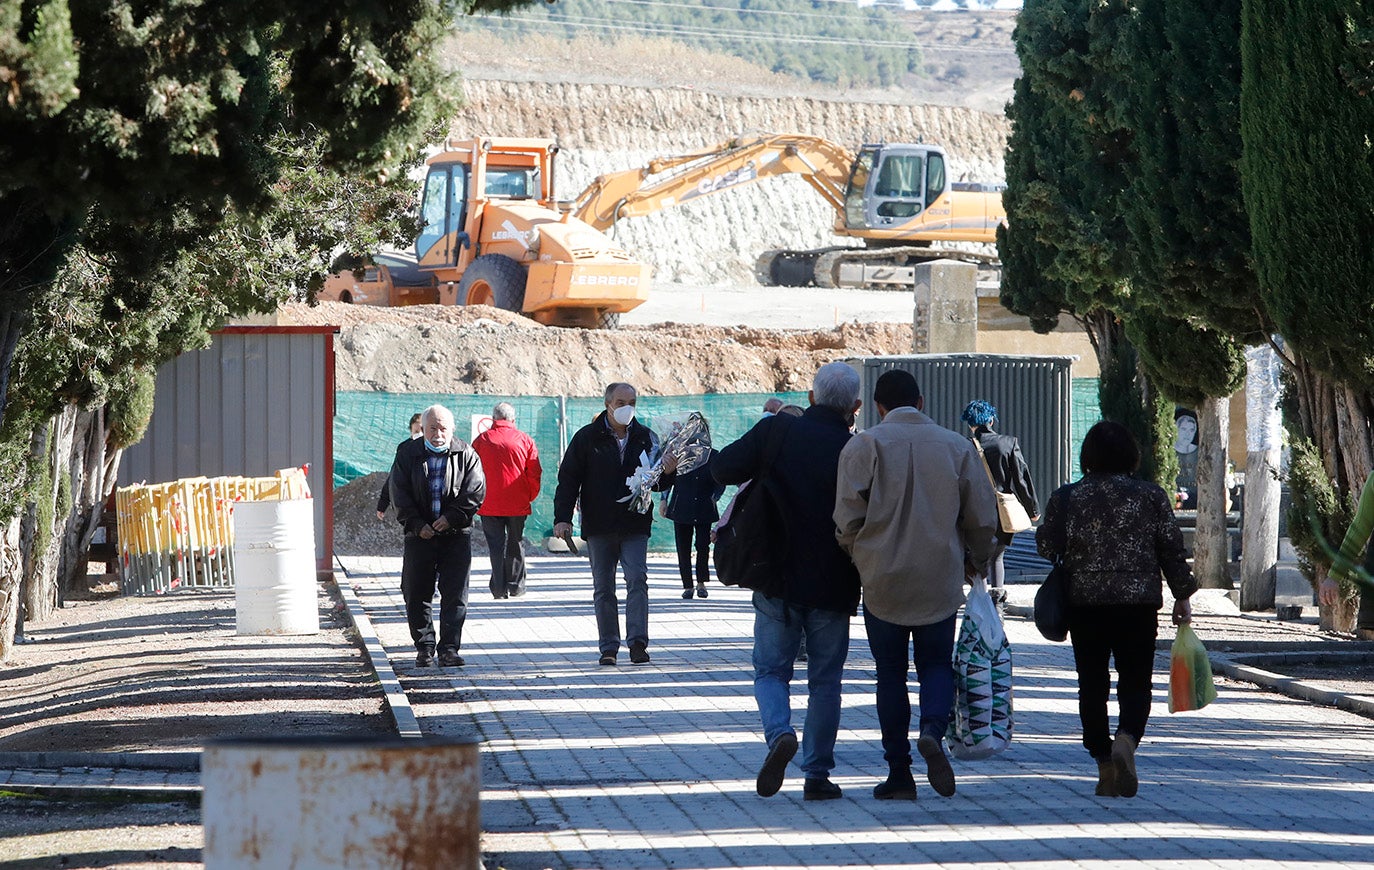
(443, 209)
(898, 185)
(512, 183)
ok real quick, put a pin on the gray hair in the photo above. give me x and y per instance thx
(836, 386)
(436, 412)
(611, 388)
(503, 411)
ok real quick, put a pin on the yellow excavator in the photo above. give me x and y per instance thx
(894, 198)
(493, 234)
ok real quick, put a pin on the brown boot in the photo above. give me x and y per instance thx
(1123, 759)
(1106, 778)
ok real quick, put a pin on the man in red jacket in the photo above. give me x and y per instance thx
(510, 462)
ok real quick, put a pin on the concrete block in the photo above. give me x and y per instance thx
(1290, 586)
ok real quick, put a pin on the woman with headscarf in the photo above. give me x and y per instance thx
(1009, 473)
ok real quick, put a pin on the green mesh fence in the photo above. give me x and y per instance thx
(367, 427)
(1084, 411)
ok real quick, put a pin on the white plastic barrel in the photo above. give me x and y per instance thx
(322, 802)
(275, 591)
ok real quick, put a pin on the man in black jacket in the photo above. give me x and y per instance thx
(820, 583)
(436, 486)
(598, 460)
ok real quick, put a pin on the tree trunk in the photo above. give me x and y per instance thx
(53, 533)
(1336, 418)
(38, 543)
(92, 472)
(1211, 550)
(11, 573)
(1260, 513)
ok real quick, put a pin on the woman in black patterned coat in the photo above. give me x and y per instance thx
(1116, 535)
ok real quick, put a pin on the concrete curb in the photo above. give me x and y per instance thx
(1229, 667)
(396, 702)
(169, 761)
(1293, 688)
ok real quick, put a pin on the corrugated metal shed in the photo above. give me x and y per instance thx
(258, 399)
(1033, 396)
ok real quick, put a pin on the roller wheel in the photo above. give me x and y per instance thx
(493, 279)
(609, 320)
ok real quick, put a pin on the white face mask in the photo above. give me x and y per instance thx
(414, 435)
(624, 414)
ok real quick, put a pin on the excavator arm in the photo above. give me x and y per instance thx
(637, 192)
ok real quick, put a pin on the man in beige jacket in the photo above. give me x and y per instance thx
(915, 511)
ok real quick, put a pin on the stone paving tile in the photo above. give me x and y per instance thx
(654, 765)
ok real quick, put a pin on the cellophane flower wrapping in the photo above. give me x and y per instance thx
(682, 435)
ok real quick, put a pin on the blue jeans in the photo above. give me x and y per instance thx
(932, 650)
(631, 553)
(777, 632)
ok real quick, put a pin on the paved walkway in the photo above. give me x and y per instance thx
(654, 765)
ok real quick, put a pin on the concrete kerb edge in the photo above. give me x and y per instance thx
(402, 715)
(161, 761)
(1225, 665)
(1293, 688)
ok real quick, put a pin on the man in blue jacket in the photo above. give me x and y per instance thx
(819, 587)
(599, 458)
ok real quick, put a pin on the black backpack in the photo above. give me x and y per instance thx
(751, 547)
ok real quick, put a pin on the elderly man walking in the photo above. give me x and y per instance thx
(599, 459)
(510, 463)
(437, 487)
(818, 590)
(915, 510)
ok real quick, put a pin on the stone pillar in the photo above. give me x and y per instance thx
(1260, 524)
(1211, 552)
(946, 312)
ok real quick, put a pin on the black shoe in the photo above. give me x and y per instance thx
(607, 659)
(639, 653)
(424, 657)
(515, 593)
(449, 658)
(938, 771)
(701, 590)
(775, 765)
(686, 593)
(820, 789)
(896, 788)
(499, 597)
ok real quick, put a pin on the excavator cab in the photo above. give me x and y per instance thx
(892, 185)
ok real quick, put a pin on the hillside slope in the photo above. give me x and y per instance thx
(716, 239)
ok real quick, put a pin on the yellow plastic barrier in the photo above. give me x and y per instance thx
(182, 533)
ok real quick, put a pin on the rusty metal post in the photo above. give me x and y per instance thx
(327, 802)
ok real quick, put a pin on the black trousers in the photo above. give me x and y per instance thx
(683, 533)
(1125, 634)
(443, 561)
(505, 547)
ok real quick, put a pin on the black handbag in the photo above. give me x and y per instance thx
(751, 545)
(1052, 604)
(1052, 598)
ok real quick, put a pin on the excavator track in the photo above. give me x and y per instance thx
(828, 264)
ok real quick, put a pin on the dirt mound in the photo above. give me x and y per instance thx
(481, 350)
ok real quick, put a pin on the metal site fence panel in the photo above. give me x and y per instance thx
(368, 426)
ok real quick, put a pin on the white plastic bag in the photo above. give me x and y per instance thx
(982, 722)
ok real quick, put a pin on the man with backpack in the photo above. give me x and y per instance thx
(813, 587)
